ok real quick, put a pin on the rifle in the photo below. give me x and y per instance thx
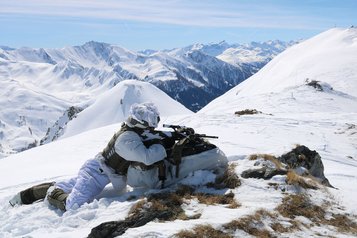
(181, 132)
(175, 141)
(183, 135)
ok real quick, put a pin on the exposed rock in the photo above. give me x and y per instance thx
(165, 206)
(58, 128)
(301, 159)
(302, 156)
(161, 206)
(315, 84)
(264, 173)
(247, 112)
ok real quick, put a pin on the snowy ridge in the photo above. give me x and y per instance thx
(113, 106)
(328, 59)
(52, 80)
(292, 112)
(58, 129)
(306, 95)
(255, 53)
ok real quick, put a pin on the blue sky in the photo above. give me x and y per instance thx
(165, 24)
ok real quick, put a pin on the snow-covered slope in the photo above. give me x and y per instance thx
(76, 76)
(256, 53)
(113, 106)
(324, 121)
(328, 59)
(306, 95)
(25, 115)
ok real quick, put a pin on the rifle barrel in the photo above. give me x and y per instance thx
(172, 126)
(206, 136)
(188, 130)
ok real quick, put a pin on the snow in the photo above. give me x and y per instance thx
(253, 53)
(328, 57)
(292, 113)
(113, 106)
(76, 76)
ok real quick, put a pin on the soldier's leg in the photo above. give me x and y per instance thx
(90, 182)
(31, 195)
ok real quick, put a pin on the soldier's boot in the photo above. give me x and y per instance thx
(31, 195)
(57, 198)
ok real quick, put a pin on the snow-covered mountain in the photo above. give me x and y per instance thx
(306, 95)
(40, 86)
(94, 67)
(113, 106)
(320, 112)
(323, 65)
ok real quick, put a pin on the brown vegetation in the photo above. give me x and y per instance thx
(250, 224)
(291, 207)
(163, 206)
(211, 199)
(293, 178)
(300, 205)
(268, 157)
(247, 112)
(279, 228)
(343, 223)
(168, 205)
(228, 180)
(202, 231)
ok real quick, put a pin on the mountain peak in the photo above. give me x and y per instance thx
(3, 47)
(113, 106)
(95, 44)
(327, 59)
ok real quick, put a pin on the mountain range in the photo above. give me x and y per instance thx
(304, 96)
(40, 86)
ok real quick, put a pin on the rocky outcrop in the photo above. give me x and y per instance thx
(58, 128)
(302, 160)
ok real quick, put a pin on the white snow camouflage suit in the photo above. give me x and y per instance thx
(94, 175)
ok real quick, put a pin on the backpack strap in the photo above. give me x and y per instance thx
(177, 153)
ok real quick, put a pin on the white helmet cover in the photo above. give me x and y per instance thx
(146, 114)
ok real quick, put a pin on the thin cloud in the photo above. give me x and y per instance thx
(180, 12)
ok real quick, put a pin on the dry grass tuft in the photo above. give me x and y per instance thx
(188, 192)
(293, 178)
(247, 112)
(202, 231)
(343, 223)
(300, 205)
(250, 224)
(171, 202)
(267, 157)
(279, 228)
(137, 207)
(211, 199)
(164, 206)
(228, 180)
(264, 156)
